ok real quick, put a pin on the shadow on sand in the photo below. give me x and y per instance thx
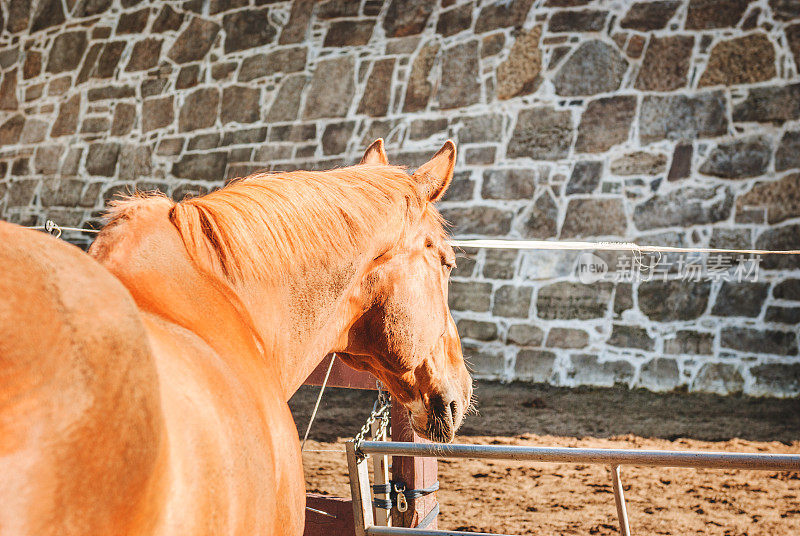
(520, 408)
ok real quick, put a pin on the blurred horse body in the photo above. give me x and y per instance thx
(144, 388)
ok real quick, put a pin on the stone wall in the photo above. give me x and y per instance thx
(673, 122)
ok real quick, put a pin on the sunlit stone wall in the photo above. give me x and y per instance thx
(672, 122)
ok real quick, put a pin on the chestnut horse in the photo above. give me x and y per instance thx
(144, 387)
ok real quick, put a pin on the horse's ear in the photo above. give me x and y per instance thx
(434, 176)
(375, 154)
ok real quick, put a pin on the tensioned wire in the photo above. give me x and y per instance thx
(481, 243)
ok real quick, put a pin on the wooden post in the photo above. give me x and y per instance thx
(619, 499)
(360, 489)
(380, 470)
(417, 473)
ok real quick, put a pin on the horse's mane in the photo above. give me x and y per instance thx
(268, 224)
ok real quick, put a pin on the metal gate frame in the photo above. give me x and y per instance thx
(362, 498)
(332, 516)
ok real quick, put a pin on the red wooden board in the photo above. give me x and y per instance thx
(341, 376)
(321, 525)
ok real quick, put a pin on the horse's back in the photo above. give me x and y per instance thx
(80, 417)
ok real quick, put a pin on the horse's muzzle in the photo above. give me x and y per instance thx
(444, 417)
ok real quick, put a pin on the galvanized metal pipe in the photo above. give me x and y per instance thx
(400, 531)
(664, 458)
(619, 499)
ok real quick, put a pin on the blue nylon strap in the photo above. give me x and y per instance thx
(388, 489)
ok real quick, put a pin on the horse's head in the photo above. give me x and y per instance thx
(406, 335)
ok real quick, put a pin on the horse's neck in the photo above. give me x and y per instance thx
(147, 255)
(289, 325)
(306, 318)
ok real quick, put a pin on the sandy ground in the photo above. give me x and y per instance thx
(506, 497)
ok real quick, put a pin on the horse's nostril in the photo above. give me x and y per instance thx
(443, 418)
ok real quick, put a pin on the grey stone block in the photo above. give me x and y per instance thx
(594, 67)
(470, 296)
(489, 221)
(567, 338)
(666, 301)
(660, 374)
(566, 300)
(740, 299)
(719, 378)
(788, 289)
(680, 117)
(484, 362)
(588, 369)
(525, 335)
(542, 134)
(782, 379)
(630, 337)
(738, 159)
(512, 301)
(476, 329)
(508, 184)
(690, 342)
(758, 341)
(534, 365)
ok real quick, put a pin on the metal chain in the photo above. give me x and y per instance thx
(379, 413)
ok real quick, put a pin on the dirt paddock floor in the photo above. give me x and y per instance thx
(506, 497)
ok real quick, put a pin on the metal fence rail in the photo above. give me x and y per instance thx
(612, 457)
(400, 531)
(666, 458)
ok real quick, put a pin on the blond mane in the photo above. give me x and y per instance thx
(272, 223)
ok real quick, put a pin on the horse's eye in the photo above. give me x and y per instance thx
(428, 243)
